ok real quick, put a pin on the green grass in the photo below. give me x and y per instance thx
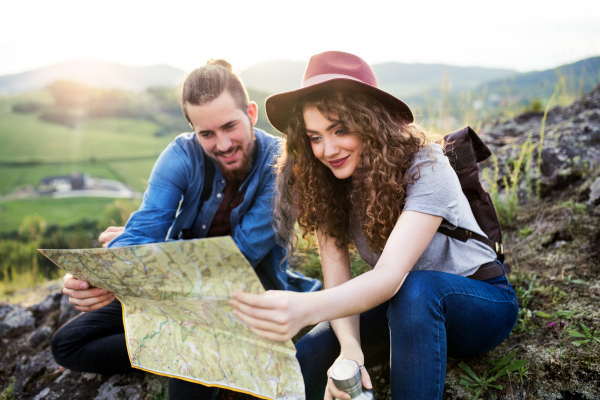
(25, 138)
(134, 173)
(61, 212)
(124, 149)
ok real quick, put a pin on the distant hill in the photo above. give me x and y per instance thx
(405, 80)
(422, 86)
(581, 76)
(94, 73)
(397, 78)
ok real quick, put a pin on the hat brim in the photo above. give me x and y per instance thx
(278, 105)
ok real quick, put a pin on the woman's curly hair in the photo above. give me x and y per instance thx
(374, 196)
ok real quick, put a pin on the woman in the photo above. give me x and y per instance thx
(356, 172)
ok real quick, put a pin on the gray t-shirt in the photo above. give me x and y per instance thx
(438, 192)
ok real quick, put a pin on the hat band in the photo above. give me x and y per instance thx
(326, 77)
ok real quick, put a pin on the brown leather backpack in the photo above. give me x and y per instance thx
(464, 148)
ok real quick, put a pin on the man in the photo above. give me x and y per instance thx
(188, 197)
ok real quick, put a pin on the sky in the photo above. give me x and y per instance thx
(523, 35)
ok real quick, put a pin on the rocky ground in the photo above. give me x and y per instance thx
(27, 369)
(552, 242)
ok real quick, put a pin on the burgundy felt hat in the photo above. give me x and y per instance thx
(334, 70)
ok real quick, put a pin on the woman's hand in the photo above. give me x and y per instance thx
(356, 354)
(109, 234)
(83, 297)
(275, 315)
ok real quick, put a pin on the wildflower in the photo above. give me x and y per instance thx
(557, 327)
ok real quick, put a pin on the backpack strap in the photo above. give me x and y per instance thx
(209, 178)
(464, 234)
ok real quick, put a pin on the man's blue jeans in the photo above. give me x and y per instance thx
(434, 315)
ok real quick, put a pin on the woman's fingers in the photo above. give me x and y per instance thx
(269, 306)
(269, 335)
(366, 379)
(328, 395)
(268, 314)
(334, 392)
(270, 299)
(266, 324)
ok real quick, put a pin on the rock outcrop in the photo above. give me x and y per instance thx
(28, 371)
(570, 145)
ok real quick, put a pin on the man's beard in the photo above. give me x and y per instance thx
(240, 173)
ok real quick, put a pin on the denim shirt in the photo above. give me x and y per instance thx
(178, 177)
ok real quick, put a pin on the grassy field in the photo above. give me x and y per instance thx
(123, 149)
(61, 212)
(25, 138)
(134, 173)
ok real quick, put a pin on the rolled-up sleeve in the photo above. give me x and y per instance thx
(434, 192)
(166, 188)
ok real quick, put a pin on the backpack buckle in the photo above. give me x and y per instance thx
(499, 248)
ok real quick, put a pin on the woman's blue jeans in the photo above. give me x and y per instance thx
(434, 315)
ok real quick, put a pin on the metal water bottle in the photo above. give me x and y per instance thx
(346, 376)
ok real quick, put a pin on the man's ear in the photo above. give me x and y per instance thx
(190, 124)
(253, 112)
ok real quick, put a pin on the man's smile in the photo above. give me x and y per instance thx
(229, 156)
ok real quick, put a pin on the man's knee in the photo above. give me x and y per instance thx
(60, 346)
(65, 343)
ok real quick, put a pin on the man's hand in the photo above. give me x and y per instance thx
(356, 354)
(109, 234)
(83, 297)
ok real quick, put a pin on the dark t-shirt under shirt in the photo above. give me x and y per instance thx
(221, 223)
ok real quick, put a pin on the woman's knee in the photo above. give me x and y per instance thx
(420, 289)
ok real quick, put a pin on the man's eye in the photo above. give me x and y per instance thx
(339, 132)
(229, 127)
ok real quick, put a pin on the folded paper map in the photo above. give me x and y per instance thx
(177, 317)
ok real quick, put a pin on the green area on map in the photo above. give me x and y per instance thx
(178, 320)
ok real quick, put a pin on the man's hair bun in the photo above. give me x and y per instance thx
(220, 62)
(206, 83)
